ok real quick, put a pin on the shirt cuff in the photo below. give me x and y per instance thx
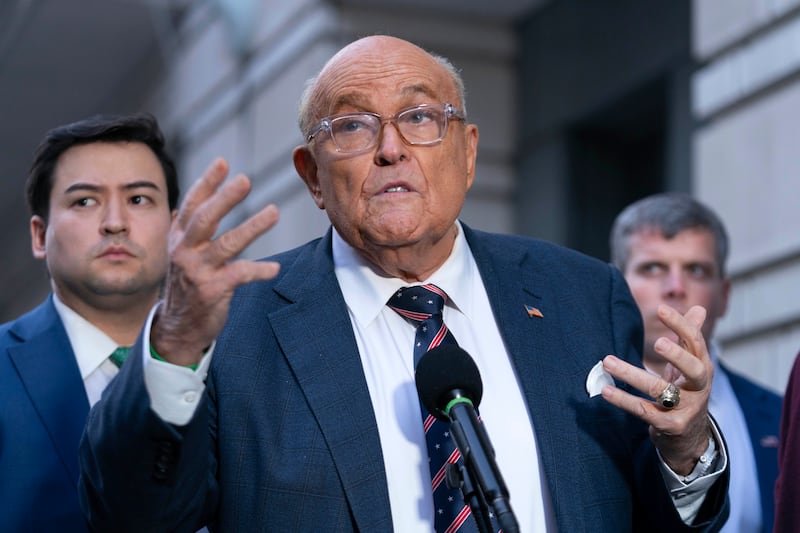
(688, 497)
(175, 391)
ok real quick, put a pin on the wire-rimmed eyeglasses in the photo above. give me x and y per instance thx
(423, 124)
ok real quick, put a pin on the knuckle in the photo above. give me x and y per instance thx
(656, 388)
(228, 244)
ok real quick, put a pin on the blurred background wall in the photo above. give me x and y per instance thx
(583, 106)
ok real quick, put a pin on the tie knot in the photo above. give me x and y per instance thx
(419, 302)
(119, 355)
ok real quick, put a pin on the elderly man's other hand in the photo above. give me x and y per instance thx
(678, 413)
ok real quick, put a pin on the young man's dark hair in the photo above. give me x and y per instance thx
(139, 127)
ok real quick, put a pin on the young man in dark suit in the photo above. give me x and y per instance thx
(101, 193)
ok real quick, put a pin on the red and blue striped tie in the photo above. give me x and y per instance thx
(423, 305)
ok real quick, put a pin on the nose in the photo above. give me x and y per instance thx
(674, 284)
(391, 147)
(115, 218)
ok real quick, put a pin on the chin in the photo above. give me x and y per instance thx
(401, 233)
(122, 284)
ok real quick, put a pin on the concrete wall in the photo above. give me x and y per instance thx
(746, 99)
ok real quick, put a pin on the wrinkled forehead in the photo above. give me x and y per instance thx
(382, 75)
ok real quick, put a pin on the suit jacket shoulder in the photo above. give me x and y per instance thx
(44, 411)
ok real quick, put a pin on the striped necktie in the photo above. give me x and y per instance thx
(423, 306)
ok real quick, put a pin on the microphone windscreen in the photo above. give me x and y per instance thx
(444, 372)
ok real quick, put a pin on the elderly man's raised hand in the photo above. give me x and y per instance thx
(203, 271)
(680, 433)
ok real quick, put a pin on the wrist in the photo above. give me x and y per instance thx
(170, 348)
(705, 463)
(154, 354)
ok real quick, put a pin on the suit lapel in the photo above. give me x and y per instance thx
(550, 378)
(760, 415)
(316, 336)
(50, 375)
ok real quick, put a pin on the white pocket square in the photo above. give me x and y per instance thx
(597, 379)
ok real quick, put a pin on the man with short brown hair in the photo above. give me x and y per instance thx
(101, 193)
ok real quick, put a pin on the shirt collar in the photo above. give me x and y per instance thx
(89, 344)
(366, 291)
(713, 350)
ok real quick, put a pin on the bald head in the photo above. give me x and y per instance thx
(369, 59)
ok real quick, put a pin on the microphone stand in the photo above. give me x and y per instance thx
(454, 396)
(458, 477)
(483, 475)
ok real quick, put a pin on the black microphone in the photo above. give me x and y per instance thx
(449, 386)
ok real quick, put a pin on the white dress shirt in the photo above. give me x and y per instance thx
(386, 345)
(744, 492)
(91, 348)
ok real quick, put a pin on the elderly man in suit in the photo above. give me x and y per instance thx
(672, 250)
(302, 414)
(101, 192)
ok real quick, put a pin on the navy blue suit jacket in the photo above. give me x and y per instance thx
(762, 413)
(288, 441)
(43, 409)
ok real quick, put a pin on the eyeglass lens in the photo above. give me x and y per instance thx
(419, 125)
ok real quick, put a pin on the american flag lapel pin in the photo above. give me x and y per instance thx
(533, 312)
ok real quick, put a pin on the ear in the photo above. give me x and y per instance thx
(38, 236)
(471, 140)
(306, 167)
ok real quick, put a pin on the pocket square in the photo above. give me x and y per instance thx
(597, 379)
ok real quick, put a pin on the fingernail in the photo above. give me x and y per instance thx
(610, 362)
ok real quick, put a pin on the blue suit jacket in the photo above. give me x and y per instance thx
(287, 440)
(762, 413)
(43, 409)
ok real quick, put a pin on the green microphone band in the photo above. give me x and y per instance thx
(451, 403)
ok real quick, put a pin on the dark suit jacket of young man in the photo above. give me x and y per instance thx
(762, 414)
(43, 409)
(288, 440)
